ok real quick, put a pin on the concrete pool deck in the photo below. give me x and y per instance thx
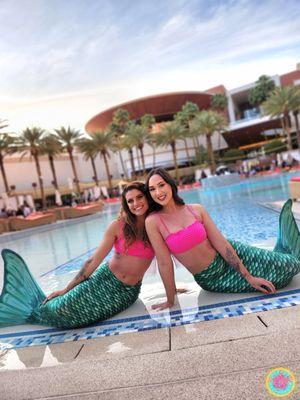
(221, 359)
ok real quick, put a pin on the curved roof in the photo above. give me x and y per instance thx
(158, 105)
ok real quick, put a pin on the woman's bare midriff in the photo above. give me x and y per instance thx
(128, 269)
(198, 258)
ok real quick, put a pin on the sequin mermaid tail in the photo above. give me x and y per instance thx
(278, 266)
(95, 299)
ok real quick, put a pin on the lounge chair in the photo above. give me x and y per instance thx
(33, 220)
(4, 225)
(59, 212)
(294, 185)
(81, 211)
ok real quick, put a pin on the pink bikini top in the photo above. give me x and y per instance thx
(186, 238)
(136, 249)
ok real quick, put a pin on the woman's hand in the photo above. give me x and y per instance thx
(54, 294)
(261, 284)
(162, 306)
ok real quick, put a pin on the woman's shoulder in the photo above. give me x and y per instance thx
(115, 225)
(198, 208)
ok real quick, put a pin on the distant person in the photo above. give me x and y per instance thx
(203, 174)
(3, 213)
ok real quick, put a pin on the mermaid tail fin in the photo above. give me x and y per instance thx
(288, 236)
(21, 294)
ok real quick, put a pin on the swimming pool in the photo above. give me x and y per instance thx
(234, 208)
(56, 254)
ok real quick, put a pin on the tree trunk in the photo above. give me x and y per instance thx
(74, 170)
(154, 154)
(51, 161)
(297, 128)
(107, 170)
(39, 173)
(133, 173)
(187, 152)
(210, 154)
(94, 170)
(288, 132)
(143, 160)
(138, 158)
(3, 173)
(173, 146)
(123, 166)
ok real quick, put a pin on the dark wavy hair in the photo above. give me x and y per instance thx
(129, 228)
(168, 179)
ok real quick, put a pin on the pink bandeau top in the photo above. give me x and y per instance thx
(136, 249)
(186, 238)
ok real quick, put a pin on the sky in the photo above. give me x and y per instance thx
(63, 61)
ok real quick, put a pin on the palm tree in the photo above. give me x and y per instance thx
(7, 142)
(180, 118)
(69, 139)
(262, 89)
(87, 147)
(128, 143)
(207, 122)
(103, 142)
(117, 129)
(219, 103)
(51, 147)
(148, 120)
(279, 104)
(137, 135)
(170, 133)
(295, 107)
(30, 141)
(186, 115)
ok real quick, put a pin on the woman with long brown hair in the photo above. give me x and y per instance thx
(96, 293)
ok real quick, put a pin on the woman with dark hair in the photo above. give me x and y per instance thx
(218, 265)
(95, 293)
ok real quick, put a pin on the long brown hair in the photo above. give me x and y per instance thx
(130, 229)
(168, 179)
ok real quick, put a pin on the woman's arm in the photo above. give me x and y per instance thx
(223, 247)
(164, 261)
(93, 262)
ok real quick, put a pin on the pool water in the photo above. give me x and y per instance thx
(234, 209)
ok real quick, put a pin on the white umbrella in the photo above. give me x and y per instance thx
(21, 199)
(104, 191)
(58, 200)
(30, 202)
(92, 197)
(86, 195)
(70, 183)
(97, 192)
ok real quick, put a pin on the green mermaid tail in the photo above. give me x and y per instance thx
(278, 266)
(95, 299)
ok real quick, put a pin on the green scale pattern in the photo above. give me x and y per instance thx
(278, 266)
(95, 299)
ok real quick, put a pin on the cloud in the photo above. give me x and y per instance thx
(110, 51)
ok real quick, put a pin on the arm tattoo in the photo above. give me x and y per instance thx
(82, 272)
(234, 261)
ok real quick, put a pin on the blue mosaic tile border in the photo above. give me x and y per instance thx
(145, 322)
